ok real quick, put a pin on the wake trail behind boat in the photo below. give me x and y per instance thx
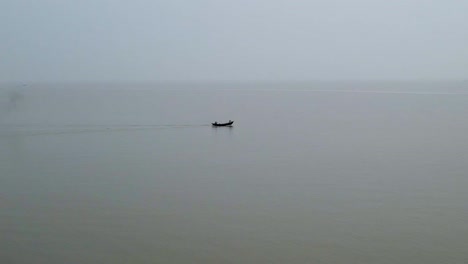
(44, 129)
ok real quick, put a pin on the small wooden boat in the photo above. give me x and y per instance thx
(223, 124)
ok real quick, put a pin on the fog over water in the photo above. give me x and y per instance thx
(349, 143)
(266, 40)
(309, 173)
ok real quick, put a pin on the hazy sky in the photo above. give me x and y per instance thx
(117, 40)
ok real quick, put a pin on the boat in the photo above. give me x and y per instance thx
(223, 124)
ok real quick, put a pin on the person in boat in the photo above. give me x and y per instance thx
(215, 123)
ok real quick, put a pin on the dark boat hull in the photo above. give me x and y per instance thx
(222, 124)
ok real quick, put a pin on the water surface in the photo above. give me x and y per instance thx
(350, 173)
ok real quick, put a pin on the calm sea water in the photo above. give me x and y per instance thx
(311, 173)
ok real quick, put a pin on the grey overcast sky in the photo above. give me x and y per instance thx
(202, 40)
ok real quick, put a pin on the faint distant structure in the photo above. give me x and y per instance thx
(13, 98)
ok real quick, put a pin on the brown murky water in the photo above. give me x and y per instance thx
(139, 176)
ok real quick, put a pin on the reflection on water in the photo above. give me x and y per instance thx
(303, 177)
